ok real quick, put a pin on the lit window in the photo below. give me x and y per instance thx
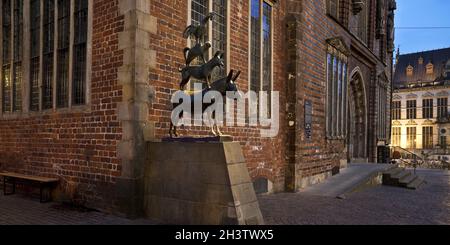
(411, 109)
(411, 135)
(410, 71)
(428, 111)
(427, 138)
(396, 110)
(442, 108)
(396, 136)
(430, 69)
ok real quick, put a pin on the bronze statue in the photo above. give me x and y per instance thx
(392, 6)
(202, 72)
(199, 32)
(199, 50)
(223, 85)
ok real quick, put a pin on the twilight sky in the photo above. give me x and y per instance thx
(422, 13)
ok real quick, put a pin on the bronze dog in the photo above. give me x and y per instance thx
(198, 50)
(202, 72)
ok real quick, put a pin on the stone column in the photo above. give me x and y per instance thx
(133, 111)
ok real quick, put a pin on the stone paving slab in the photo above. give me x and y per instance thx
(22, 210)
(430, 205)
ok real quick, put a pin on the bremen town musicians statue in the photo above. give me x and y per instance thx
(204, 70)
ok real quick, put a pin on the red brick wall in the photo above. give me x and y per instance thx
(78, 146)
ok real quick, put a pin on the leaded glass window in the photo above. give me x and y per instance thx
(18, 52)
(79, 67)
(35, 31)
(218, 29)
(442, 108)
(427, 107)
(337, 84)
(427, 138)
(50, 55)
(6, 56)
(48, 46)
(63, 53)
(255, 48)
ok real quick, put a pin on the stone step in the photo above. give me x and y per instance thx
(401, 175)
(416, 184)
(390, 173)
(407, 180)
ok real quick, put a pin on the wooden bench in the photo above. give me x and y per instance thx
(44, 183)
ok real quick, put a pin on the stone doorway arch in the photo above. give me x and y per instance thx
(357, 122)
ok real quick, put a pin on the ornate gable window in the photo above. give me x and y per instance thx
(337, 84)
(421, 61)
(410, 71)
(430, 69)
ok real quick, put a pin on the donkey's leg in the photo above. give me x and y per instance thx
(218, 130)
(212, 123)
(170, 130)
(175, 131)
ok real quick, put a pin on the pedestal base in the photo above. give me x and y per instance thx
(200, 184)
(216, 139)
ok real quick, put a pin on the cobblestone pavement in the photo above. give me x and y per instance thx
(376, 206)
(20, 210)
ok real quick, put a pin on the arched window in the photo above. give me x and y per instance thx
(337, 84)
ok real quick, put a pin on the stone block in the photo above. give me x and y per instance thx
(233, 153)
(133, 5)
(238, 173)
(244, 193)
(197, 185)
(149, 131)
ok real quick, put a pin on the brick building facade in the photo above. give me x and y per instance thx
(85, 88)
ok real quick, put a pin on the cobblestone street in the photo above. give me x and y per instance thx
(20, 210)
(376, 206)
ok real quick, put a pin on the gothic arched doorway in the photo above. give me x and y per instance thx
(357, 123)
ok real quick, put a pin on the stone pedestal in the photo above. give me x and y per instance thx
(199, 183)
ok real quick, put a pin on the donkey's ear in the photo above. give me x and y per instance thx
(218, 54)
(230, 76)
(235, 78)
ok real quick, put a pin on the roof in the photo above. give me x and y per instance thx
(439, 58)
